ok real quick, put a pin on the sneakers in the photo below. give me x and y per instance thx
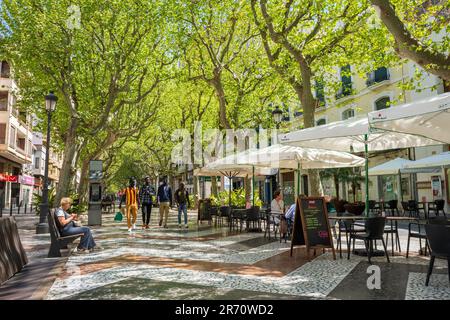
(130, 230)
(82, 251)
(186, 226)
(179, 225)
(134, 226)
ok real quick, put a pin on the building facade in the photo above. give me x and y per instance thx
(16, 148)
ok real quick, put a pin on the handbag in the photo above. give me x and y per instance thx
(118, 216)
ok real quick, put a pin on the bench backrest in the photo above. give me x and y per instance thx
(53, 224)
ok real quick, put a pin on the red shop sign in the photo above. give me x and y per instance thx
(8, 178)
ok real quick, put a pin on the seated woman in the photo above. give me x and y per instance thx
(277, 206)
(68, 228)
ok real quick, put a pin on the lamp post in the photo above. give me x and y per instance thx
(277, 115)
(50, 105)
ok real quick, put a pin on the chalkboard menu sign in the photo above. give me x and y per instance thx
(311, 226)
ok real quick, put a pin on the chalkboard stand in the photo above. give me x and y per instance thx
(300, 234)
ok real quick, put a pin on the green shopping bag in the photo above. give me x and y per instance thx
(118, 216)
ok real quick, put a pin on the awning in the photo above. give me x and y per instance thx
(391, 167)
(428, 118)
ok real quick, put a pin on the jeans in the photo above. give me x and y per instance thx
(86, 242)
(146, 212)
(182, 207)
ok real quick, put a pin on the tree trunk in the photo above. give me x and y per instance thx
(336, 185)
(309, 104)
(195, 191)
(84, 181)
(214, 187)
(220, 93)
(248, 189)
(65, 176)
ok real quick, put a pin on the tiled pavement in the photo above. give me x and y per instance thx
(204, 262)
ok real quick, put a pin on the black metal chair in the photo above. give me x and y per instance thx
(439, 239)
(419, 234)
(271, 221)
(347, 227)
(410, 207)
(437, 207)
(392, 208)
(214, 214)
(224, 212)
(392, 227)
(237, 217)
(374, 231)
(253, 216)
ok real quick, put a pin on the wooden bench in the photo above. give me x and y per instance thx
(58, 242)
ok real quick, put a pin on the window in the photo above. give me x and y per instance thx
(21, 143)
(2, 133)
(3, 100)
(346, 80)
(321, 122)
(37, 162)
(347, 114)
(5, 70)
(382, 103)
(320, 93)
(379, 75)
(12, 137)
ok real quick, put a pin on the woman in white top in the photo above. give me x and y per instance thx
(277, 206)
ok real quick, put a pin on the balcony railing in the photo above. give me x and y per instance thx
(379, 75)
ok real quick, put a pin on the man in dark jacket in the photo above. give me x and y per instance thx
(146, 196)
(182, 199)
(165, 201)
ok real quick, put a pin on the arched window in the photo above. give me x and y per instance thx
(321, 122)
(347, 114)
(382, 103)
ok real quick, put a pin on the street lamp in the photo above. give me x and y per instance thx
(277, 116)
(50, 106)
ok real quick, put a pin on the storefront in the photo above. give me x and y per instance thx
(8, 189)
(26, 184)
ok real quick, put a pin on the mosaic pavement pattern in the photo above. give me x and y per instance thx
(206, 262)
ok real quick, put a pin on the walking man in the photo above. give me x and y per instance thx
(164, 200)
(132, 203)
(182, 199)
(146, 198)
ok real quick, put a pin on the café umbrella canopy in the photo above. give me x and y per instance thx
(436, 161)
(230, 168)
(289, 157)
(354, 135)
(428, 118)
(391, 167)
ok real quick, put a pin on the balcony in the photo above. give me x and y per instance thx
(345, 91)
(378, 76)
